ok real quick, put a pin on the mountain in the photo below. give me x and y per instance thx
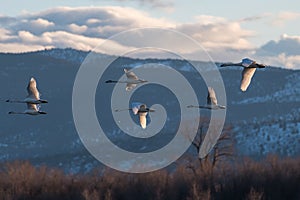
(265, 119)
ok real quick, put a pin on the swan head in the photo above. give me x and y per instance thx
(222, 107)
(110, 81)
(262, 66)
(43, 101)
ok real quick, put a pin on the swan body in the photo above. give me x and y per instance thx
(141, 110)
(131, 82)
(33, 96)
(211, 102)
(32, 100)
(248, 71)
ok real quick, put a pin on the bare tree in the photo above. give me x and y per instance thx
(222, 150)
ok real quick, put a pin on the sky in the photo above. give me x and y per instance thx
(266, 31)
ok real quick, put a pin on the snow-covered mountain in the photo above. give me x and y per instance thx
(265, 119)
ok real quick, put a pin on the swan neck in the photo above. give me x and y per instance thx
(15, 113)
(15, 101)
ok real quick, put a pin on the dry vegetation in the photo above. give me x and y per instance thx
(271, 178)
(217, 176)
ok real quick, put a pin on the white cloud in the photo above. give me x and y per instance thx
(41, 23)
(77, 29)
(291, 37)
(6, 36)
(93, 21)
(283, 17)
(27, 37)
(82, 27)
(86, 27)
(62, 39)
(285, 52)
(216, 32)
(20, 47)
(289, 45)
(154, 3)
(292, 62)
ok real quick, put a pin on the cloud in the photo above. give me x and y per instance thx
(41, 23)
(217, 32)
(289, 45)
(4, 20)
(283, 17)
(62, 39)
(6, 36)
(20, 47)
(82, 28)
(284, 52)
(292, 62)
(93, 21)
(77, 29)
(85, 28)
(153, 3)
(281, 60)
(27, 37)
(255, 18)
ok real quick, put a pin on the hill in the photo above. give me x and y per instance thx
(264, 120)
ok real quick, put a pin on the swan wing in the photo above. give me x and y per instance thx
(143, 120)
(131, 75)
(247, 75)
(135, 107)
(211, 97)
(130, 86)
(32, 89)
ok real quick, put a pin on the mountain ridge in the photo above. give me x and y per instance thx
(265, 119)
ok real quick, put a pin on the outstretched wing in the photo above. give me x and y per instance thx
(211, 97)
(130, 86)
(143, 120)
(247, 75)
(135, 106)
(32, 89)
(131, 75)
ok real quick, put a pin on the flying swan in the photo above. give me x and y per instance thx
(33, 96)
(248, 72)
(211, 103)
(141, 110)
(131, 82)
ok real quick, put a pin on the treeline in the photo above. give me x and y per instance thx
(271, 178)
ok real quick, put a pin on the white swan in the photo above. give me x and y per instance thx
(33, 96)
(32, 109)
(131, 82)
(248, 72)
(211, 103)
(142, 110)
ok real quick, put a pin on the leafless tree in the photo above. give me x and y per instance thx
(222, 150)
